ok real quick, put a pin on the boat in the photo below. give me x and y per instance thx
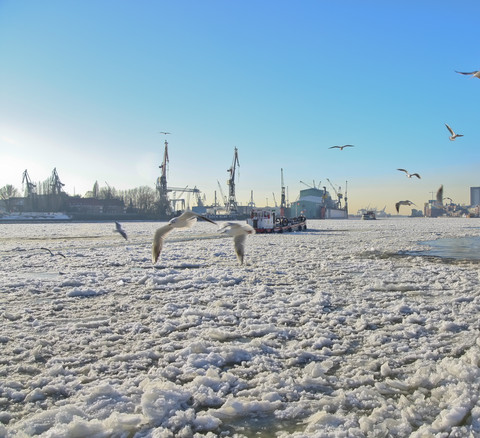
(369, 216)
(267, 221)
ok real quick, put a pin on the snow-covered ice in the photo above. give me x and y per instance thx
(337, 331)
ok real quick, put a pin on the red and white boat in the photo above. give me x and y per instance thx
(267, 221)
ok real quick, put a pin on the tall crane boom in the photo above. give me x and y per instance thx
(164, 204)
(337, 193)
(283, 202)
(31, 187)
(224, 198)
(232, 202)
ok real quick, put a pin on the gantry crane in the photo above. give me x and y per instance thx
(232, 202)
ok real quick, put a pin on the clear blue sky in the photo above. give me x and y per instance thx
(86, 86)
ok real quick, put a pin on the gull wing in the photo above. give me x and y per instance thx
(450, 129)
(158, 240)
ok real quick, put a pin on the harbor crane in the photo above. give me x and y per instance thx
(305, 184)
(232, 202)
(224, 198)
(30, 186)
(56, 184)
(251, 204)
(337, 193)
(274, 200)
(283, 202)
(164, 205)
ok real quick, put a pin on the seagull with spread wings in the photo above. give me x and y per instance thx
(409, 175)
(341, 147)
(473, 74)
(399, 203)
(239, 233)
(453, 136)
(186, 220)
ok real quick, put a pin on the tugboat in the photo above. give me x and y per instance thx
(369, 216)
(266, 221)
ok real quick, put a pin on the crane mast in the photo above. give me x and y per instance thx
(283, 202)
(232, 202)
(56, 184)
(164, 204)
(31, 187)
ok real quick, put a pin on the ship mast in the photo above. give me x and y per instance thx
(232, 202)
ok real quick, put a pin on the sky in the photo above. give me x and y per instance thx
(86, 87)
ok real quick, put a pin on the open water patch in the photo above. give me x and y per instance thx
(456, 248)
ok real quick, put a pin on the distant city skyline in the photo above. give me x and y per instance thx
(87, 87)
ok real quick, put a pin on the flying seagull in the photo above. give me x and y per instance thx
(186, 220)
(52, 253)
(399, 203)
(409, 175)
(239, 233)
(440, 195)
(453, 136)
(474, 74)
(120, 230)
(341, 147)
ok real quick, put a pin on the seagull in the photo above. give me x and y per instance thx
(120, 230)
(409, 175)
(399, 203)
(440, 195)
(474, 74)
(186, 220)
(453, 136)
(54, 254)
(239, 233)
(341, 147)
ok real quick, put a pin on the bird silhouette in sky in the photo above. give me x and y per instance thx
(409, 175)
(341, 147)
(453, 136)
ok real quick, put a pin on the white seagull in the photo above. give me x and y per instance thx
(239, 233)
(186, 220)
(453, 136)
(409, 175)
(341, 147)
(474, 74)
(399, 203)
(120, 230)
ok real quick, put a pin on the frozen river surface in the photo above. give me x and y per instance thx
(339, 331)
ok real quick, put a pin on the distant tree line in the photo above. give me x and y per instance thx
(143, 199)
